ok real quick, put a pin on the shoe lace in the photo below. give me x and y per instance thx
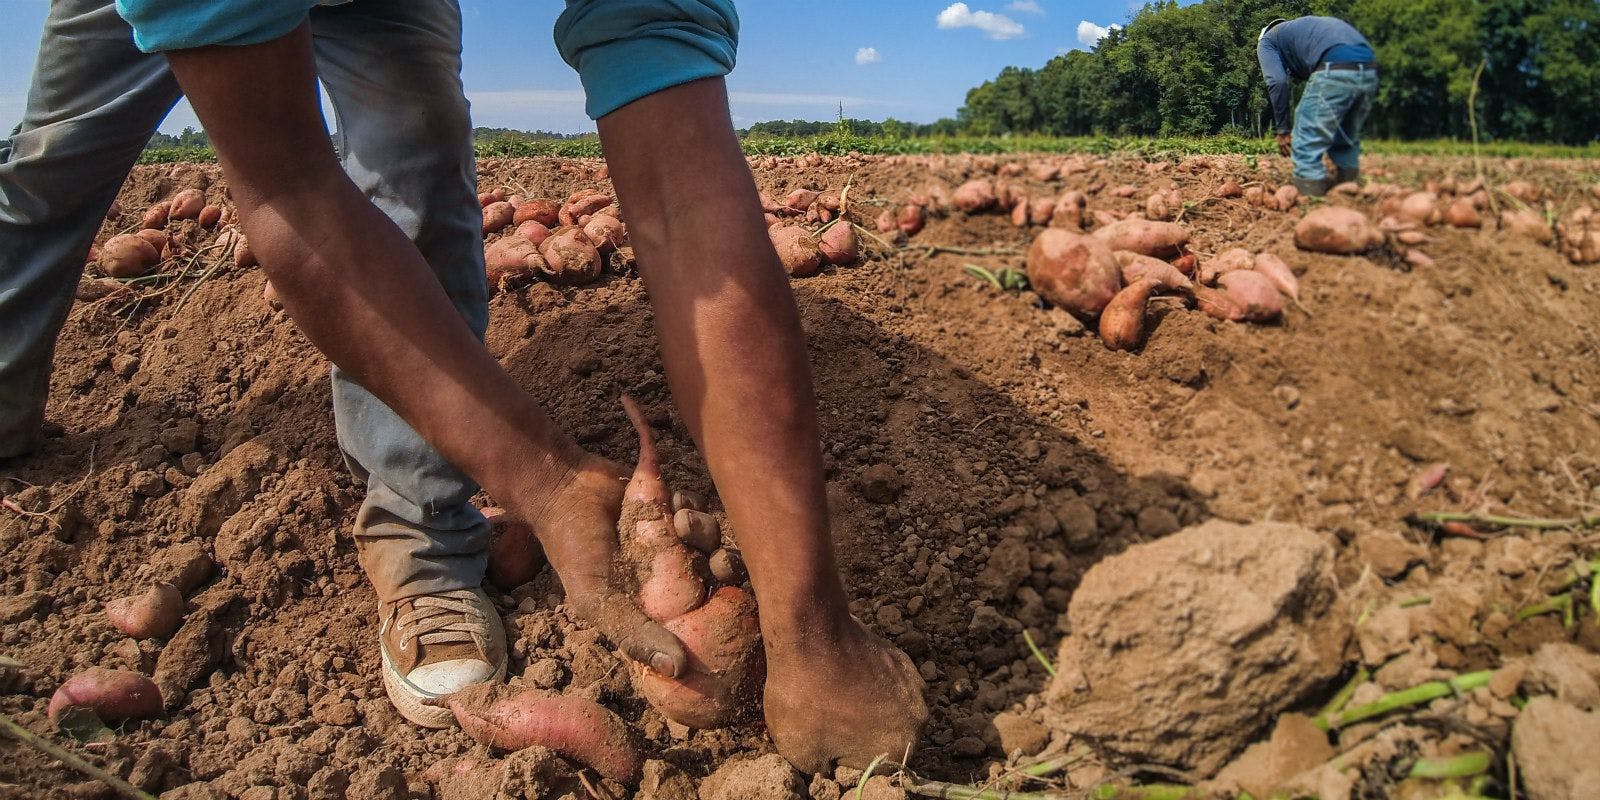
(445, 618)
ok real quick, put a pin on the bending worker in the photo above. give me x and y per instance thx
(1341, 75)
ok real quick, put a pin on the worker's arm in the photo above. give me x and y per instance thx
(1279, 92)
(360, 291)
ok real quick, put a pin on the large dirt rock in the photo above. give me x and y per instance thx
(1184, 649)
(1554, 744)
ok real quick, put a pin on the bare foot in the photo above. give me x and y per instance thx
(845, 698)
(578, 529)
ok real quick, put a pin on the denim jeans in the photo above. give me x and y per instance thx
(392, 72)
(1332, 110)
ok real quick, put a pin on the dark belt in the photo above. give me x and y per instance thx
(1354, 66)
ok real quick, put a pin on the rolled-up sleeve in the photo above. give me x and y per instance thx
(626, 49)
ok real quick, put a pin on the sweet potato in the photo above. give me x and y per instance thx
(1524, 191)
(1136, 268)
(1254, 294)
(1528, 224)
(497, 216)
(128, 256)
(726, 664)
(579, 729)
(797, 249)
(486, 199)
(155, 216)
(1255, 195)
(1019, 212)
(1461, 213)
(1041, 210)
(1420, 208)
(1286, 197)
(839, 244)
(1336, 229)
(186, 204)
(799, 200)
(1277, 271)
(974, 196)
(909, 219)
(515, 555)
(673, 582)
(1216, 303)
(157, 239)
(534, 231)
(1419, 259)
(582, 204)
(542, 211)
(1145, 237)
(1186, 263)
(210, 216)
(1230, 189)
(1156, 207)
(606, 232)
(1068, 210)
(569, 258)
(1076, 272)
(509, 258)
(112, 694)
(152, 614)
(1230, 260)
(1122, 323)
(270, 295)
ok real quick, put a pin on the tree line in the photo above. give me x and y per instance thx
(1183, 71)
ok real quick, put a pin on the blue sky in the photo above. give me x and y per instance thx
(907, 59)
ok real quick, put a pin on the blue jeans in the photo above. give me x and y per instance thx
(1332, 110)
(392, 72)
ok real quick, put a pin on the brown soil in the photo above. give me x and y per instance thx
(984, 452)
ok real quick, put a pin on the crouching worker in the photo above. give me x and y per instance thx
(1341, 76)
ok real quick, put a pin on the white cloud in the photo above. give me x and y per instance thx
(1025, 7)
(995, 26)
(867, 55)
(1090, 34)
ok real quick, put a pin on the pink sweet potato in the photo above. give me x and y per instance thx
(1528, 224)
(1068, 210)
(1122, 323)
(646, 491)
(606, 232)
(909, 219)
(155, 216)
(544, 212)
(1336, 229)
(1076, 272)
(509, 258)
(1136, 268)
(1217, 303)
(112, 694)
(152, 614)
(534, 231)
(209, 216)
(1230, 260)
(579, 729)
(569, 258)
(726, 667)
(128, 256)
(186, 204)
(1229, 189)
(1255, 296)
(839, 245)
(1286, 197)
(1278, 272)
(673, 583)
(797, 249)
(974, 196)
(1420, 208)
(489, 198)
(497, 216)
(515, 555)
(1145, 237)
(583, 203)
(1462, 213)
(799, 200)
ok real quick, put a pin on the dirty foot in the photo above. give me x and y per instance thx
(578, 530)
(844, 698)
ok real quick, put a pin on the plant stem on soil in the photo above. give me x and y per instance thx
(1462, 766)
(67, 757)
(1342, 698)
(1590, 521)
(1406, 698)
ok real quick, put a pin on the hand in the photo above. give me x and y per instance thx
(843, 698)
(577, 525)
(1285, 144)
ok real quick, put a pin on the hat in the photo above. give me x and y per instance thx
(1273, 24)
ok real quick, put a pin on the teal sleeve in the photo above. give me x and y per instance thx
(160, 25)
(626, 49)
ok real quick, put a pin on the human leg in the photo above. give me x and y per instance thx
(94, 101)
(1345, 153)
(1315, 125)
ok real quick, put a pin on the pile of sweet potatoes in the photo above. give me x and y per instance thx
(564, 243)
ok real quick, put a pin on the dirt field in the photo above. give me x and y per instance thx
(195, 418)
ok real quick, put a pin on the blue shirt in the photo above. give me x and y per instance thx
(622, 49)
(1295, 48)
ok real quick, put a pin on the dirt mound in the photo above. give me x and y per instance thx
(1554, 745)
(983, 454)
(1210, 631)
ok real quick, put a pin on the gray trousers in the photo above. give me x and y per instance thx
(392, 72)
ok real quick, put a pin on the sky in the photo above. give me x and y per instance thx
(908, 59)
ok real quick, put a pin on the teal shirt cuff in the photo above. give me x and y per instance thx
(627, 49)
(161, 25)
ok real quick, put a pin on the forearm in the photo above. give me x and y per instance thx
(731, 339)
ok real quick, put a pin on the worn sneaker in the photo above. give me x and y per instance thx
(437, 644)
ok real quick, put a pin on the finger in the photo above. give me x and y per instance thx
(645, 641)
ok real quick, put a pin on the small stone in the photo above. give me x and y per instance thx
(881, 483)
(18, 607)
(1018, 733)
(1154, 522)
(147, 483)
(181, 437)
(1554, 745)
(1078, 522)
